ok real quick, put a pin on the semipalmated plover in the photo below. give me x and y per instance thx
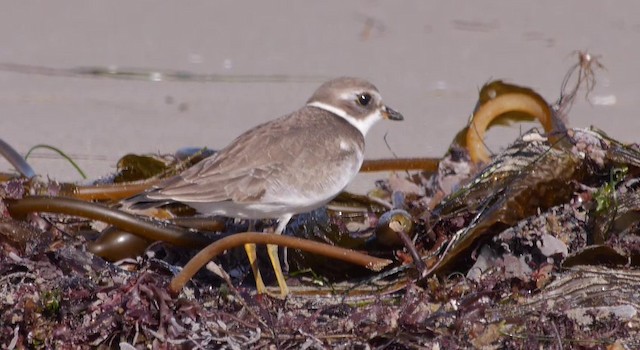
(290, 165)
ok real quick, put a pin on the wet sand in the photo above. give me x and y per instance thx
(427, 58)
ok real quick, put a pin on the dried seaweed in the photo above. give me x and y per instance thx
(538, 248)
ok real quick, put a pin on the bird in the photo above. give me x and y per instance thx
(286, 166)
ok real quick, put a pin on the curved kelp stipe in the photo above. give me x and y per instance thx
(19, 208)
(236, 240)
(498, 102)
(153, 232)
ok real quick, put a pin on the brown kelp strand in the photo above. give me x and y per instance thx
(200, 223)
(115, 244)
(149, 230)
(236, 240)
(499, 100)
(122, 190)
(113, 192)
(400, 164)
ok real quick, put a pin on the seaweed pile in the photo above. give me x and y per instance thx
(537, 246)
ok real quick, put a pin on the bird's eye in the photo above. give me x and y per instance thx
(364, 99)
